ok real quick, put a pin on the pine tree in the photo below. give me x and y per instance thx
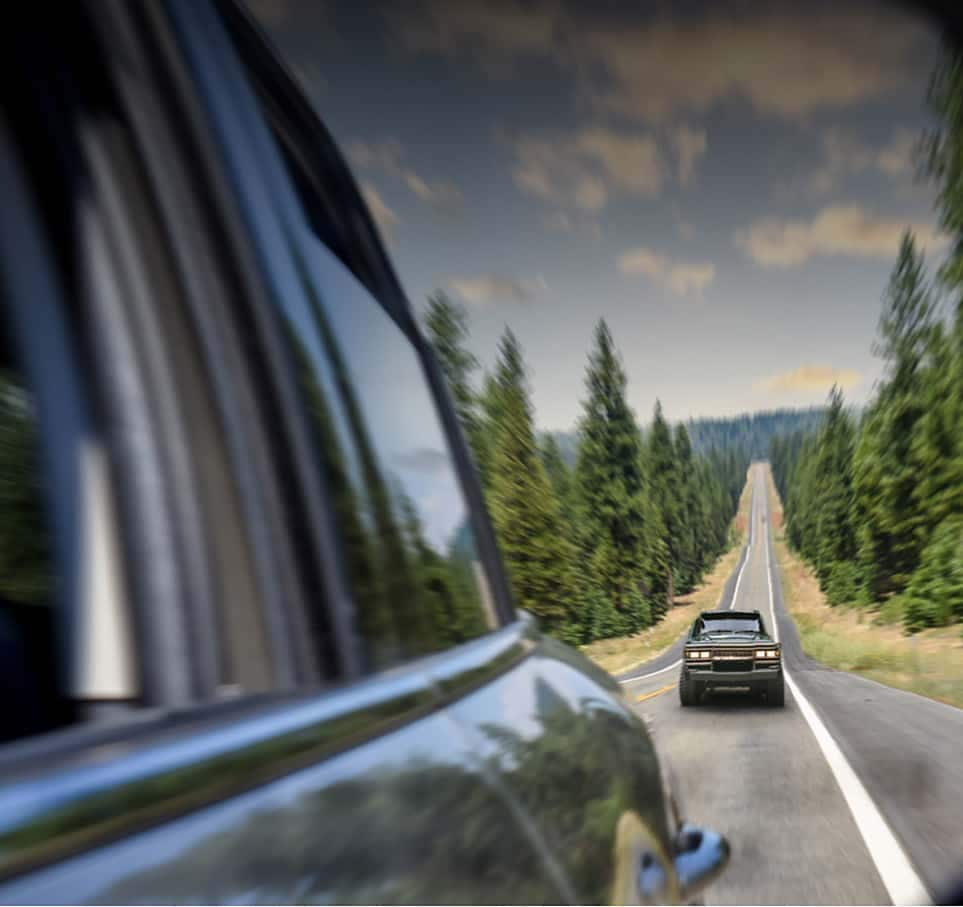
(540, 559)
(610, 488)
(560, 476)
(693, 514)
(447, 326)
(835, 550)
(664, 494)
(935, 593)
(891, 534)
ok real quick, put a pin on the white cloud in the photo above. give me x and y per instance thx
(835, 230)
(384, 217)
(387, 156)
(682, 278)
(563, 222)
(632, 162)
(690, 144)
(845, 154)
(783, 60)
(694, 278)
(584, 169)
(494, 288)
(811, 378)
(643, 261)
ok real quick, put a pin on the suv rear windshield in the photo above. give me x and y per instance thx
(728, 625)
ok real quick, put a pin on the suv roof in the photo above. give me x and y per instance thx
(728, 613)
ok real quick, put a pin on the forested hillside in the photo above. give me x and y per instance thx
(598, 537)
(875, 504)
(749, 433)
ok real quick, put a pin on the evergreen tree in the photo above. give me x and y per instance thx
(892, 528)
(835, 551)
(610, 488)
(664, 494)
(447, 326)
(540, 559)
(935, 593)
(691, 556)
(560, 476)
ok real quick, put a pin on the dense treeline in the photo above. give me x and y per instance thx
(876, 503)
(598, 547)
(750, 433)
(753, 432)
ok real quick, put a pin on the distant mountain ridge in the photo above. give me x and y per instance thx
(751, 432)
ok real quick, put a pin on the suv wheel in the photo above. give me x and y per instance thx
(776, 693)
(687, 691)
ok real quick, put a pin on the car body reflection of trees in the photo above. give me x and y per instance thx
(432, 830)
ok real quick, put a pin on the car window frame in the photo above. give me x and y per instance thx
(280, 104)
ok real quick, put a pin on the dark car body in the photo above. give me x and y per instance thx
(180, 246)
(730, 651)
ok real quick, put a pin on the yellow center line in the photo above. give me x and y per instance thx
(654, 693)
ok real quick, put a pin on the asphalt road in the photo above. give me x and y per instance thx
(850, 794)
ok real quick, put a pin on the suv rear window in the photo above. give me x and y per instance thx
(728, 625)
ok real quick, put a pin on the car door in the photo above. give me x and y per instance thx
(235, 715)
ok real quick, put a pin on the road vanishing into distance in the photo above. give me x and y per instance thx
(850, 794)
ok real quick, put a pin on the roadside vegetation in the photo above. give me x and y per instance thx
(602, 549)
(867, 641)
(874, 505)
(627, 652)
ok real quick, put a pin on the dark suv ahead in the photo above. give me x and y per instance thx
(731, 651)
(257, 643)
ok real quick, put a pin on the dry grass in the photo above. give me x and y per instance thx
(854, 639)
(626, 652)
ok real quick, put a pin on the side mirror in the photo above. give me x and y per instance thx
(700, 855)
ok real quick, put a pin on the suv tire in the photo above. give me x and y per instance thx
(776, 693)
(687, 690)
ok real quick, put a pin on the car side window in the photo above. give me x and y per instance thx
(408, 546)
(27, 578)
(414, 570)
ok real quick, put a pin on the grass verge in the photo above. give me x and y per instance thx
(865, 641)
(626, 652)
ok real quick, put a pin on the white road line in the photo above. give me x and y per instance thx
(902, 883)
(742, 569)
(674, 664)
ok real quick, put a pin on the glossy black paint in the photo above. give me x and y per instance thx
(513, 792)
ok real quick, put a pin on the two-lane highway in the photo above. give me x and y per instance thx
(850, 794)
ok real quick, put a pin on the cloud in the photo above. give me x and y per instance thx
(844, 154)
(643, 261)
(690, 145)
(783, 63)
(493, 287)
(492, 34)
(694, 278)
(385, 218)
(442, 196)
(836, 230)
(424, 459)
(811, 378)
(583, 169)
(682, 278)
(783, 60)
(563, 222)
(387, 156)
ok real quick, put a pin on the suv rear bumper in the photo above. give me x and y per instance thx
(706, 678)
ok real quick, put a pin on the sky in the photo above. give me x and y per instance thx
(725, 183)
